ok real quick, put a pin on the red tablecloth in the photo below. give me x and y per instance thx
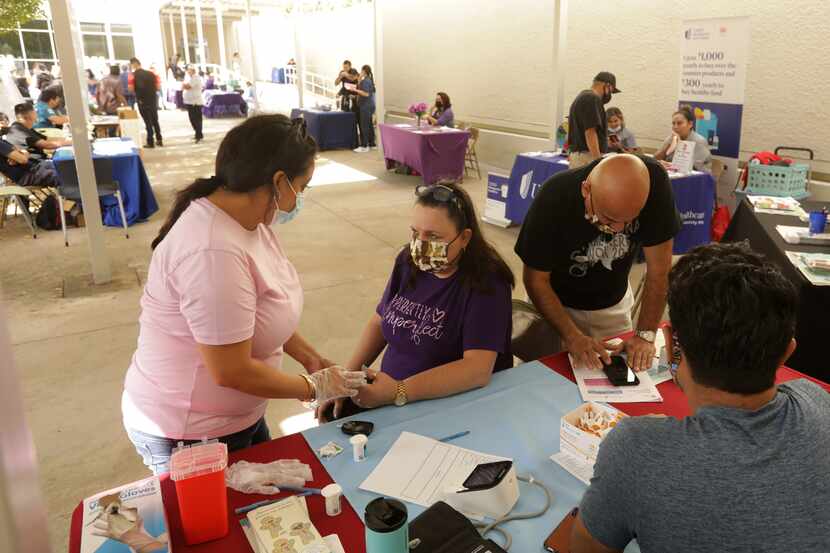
(674, 402)
(347, 525)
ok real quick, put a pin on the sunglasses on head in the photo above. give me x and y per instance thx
(440, 193)
(299, 123)
(437, 192)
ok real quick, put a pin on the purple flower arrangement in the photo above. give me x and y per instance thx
(418, 109)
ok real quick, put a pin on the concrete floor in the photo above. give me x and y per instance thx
(72, 353)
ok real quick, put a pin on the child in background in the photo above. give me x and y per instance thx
(620, 139)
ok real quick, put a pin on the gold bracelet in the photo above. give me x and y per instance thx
(312, 389)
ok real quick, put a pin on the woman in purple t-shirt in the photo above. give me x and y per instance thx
(442, 115)
(445, 316)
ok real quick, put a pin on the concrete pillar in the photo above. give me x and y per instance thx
(173, 34)
(220, 28)
(560, 44)
(299, 59)
(184, 34)
(249, 15)
(200, 37)
(68, 46)
(380, 109)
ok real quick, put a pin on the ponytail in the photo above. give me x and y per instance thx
(200, 188)
(248, 158)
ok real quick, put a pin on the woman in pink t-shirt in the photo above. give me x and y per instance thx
(222, 302)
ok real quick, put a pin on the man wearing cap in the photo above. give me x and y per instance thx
(587, 126)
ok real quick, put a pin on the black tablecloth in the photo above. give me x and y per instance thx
(812, 330)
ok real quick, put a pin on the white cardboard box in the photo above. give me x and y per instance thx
(579, 443)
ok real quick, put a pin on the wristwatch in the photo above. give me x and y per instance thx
(400, 397)
(647, 335)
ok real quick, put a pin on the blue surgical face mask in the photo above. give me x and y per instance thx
(282, 217)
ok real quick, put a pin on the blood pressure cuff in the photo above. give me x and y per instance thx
(442, 529)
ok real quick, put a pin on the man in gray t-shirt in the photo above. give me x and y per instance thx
(750, 469)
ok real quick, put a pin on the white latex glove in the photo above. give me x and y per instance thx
(336, 382)
(265, 478)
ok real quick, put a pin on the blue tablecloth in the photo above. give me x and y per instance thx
(526, 178)
(516, 416)
(219, 103)
(331, 129)
(139, 200)
(278, 75)
(694, 196)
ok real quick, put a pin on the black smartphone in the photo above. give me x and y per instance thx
(559, 540)
(351, 428)
(487, 475)
(619, 373)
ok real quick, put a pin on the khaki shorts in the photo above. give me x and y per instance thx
(579, 159)
(540, 339)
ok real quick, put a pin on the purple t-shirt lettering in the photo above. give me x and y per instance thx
(437, 320)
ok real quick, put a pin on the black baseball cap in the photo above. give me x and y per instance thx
(606, 77)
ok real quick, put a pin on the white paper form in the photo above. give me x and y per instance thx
(582, 469)
(595, 386)
(418, 469)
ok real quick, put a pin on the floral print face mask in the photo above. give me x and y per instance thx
(430, 256)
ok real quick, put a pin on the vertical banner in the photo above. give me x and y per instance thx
(713, 58)
(495, 207)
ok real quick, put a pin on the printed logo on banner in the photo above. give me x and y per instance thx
(527, 181)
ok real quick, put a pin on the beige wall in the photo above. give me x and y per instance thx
(495, 59)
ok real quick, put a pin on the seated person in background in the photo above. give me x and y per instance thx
(23, 136)
(683, 128)
(747, 471)
(620, 139)
(17, 165)
(445, 316)
(47, 104)
(442, 115)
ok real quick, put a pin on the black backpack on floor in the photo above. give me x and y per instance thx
(48, 216)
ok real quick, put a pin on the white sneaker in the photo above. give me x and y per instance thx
(361, 150)
(373, 148)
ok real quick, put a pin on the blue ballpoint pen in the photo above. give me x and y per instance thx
(454, 436)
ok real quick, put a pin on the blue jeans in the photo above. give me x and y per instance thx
(367, 130)
(155, 451)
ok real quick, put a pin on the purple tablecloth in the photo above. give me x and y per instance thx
(434, 154)
(218, 103)
(175, 97)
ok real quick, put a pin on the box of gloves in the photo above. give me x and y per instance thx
(583, 429)
(131, 516)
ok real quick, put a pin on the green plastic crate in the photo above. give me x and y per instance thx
(774, 180)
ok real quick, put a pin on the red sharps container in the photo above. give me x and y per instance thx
(199, 473)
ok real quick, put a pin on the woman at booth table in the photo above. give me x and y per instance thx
(444, 320)
(442, 115)
(620, 137)
(683, 128)
(222, 302)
